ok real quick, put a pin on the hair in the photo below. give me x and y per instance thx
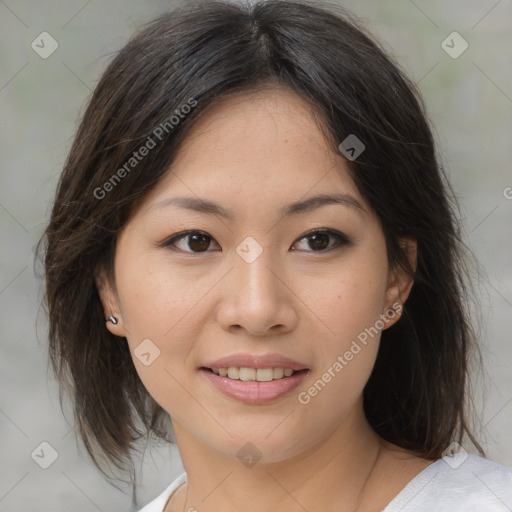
(201, 52)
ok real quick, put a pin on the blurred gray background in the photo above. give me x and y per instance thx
(469, 100)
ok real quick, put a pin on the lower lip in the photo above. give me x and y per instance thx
(254, 392)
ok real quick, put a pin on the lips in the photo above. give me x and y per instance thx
(254, 392)
(255, 361)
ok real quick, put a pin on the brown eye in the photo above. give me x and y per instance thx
(199, 243)
(190, 241)
(319, 241)
(322, 240)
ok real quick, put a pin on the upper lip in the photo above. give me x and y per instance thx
(255, 361)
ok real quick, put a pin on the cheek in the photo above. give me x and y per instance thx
(346, 356)
(158, 310)
(349, 305)
(157, 299)
(350, 299)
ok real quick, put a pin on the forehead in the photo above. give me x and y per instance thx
(263, 147)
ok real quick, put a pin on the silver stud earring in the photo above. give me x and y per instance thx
(112, 319)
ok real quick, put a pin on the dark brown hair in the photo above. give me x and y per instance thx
(417, 395)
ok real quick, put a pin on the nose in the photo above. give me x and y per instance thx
(258, 298)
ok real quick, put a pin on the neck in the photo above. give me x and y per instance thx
(329, 475)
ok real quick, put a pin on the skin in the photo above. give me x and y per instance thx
(253, 155)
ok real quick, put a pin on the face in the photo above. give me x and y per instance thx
(247, 267)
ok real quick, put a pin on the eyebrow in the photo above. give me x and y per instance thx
(299, 207)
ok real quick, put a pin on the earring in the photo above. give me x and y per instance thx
(395, 309)
(112, 319)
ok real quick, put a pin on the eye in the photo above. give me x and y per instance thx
(189, 241)
(195, 242)
(320, 240)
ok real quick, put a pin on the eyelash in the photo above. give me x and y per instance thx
(342, 240)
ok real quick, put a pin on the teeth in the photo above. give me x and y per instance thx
(246, 374)
(233, 373)
(258, 374)
(278, 373)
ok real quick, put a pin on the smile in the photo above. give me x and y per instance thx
(259, 374)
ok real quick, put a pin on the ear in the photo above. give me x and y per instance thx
(110, 303)
(400, 282)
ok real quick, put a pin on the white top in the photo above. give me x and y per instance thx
(461, 483)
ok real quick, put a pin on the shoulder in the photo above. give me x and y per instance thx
(458, 483)
(158, 504)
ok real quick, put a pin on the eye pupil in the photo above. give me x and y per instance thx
(319, 241)
(202, 242)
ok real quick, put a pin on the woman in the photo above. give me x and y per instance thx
(252, 236)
